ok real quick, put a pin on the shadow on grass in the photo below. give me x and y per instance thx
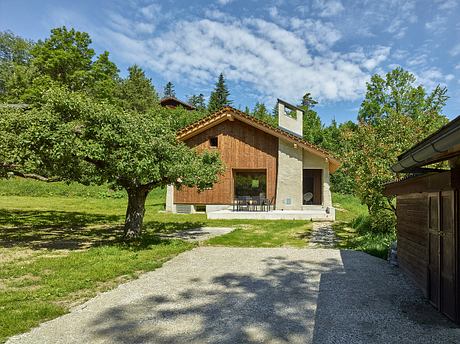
(74, 230)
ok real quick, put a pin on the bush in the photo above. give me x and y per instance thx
(379, 222)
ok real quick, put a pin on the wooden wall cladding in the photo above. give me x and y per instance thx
(412, 229)
(242, 147)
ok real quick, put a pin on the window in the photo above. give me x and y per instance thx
(250, 183)
(213, 141)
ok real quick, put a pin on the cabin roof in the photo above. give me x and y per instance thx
(177, 102)
(229, 113)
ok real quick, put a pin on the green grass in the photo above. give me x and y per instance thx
(60, 245)
(352, 228)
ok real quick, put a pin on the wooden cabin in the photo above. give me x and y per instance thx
(172, 102)
(271, 171)
(427, 209)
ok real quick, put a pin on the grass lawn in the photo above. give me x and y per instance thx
(352, 215)
(59, 246)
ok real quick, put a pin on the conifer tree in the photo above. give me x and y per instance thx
(169, 90)
(219, 97)
(197, 101)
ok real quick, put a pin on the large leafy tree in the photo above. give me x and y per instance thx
(395, 114)
(15, 70)
(137, 91)
(72, 137)
(66, 59)
(220, 96)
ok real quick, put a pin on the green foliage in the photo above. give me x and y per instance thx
(220, 96)
(354, 228)
(394, 115)
(15, 74)
(65, 57)
(168, 90)
(197, 101)
(137, 91)
(260, 112)
(397, 93)
(75, 138)
(14, 49)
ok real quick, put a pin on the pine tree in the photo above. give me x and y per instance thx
(137, 91)
(197, 101)
(169, 90)
(219, 97)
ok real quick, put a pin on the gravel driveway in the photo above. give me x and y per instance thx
(237, 295)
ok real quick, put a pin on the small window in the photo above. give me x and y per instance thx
(213, 141)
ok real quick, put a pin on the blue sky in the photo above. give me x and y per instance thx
(266, 49)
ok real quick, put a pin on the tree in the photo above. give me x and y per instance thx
(169, 90)
(137, 91)
(104, 79)
(197, 101)
(14, 49)
(312, 126)
(65, 57)
(15, 70)
(72, 137)
(308, 101)
(393, 116)
(219, 97)
(260, 112)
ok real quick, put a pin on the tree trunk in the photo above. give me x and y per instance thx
(135, 212)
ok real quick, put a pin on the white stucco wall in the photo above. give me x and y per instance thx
(311, 161)
(292, 124)
(170, 199)
(289, 179)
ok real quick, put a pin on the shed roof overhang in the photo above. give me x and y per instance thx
(442, 145)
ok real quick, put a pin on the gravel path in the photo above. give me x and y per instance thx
(322, 235)
(237, 295)
(198, 234)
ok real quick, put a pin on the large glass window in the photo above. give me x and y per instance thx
(250, 183)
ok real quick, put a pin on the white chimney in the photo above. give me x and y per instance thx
(290, 118)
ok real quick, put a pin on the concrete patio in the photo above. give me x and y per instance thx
(307, 215)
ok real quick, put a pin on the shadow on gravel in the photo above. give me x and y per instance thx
(370, 301)
(277, 307)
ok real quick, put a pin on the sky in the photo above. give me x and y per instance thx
(266, 49)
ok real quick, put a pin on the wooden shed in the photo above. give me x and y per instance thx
(427, 209)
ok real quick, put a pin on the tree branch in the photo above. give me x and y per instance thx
(35, 176)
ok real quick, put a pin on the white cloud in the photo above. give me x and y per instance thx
(455, 50)
(274, 60)
(151, 11)
(431, 77)
(224, 2)
(318, 34)
(328, 8)
(446, 4)
(437, 25)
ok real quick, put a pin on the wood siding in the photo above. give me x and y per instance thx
(412, 229)
(428, 236)
(242, 147)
